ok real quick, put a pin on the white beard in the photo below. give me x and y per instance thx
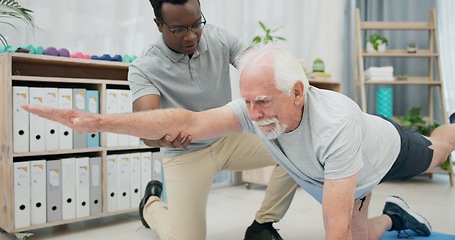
(270, 132)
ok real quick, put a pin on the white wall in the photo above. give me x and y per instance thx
(313, 28)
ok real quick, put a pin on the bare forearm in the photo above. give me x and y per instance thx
(151, 125)
(337, 206)
(336, 227)
(338, 235)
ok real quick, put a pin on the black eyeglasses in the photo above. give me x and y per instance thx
(181, 31)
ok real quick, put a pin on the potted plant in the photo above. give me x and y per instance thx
(376, 43)
(12, 9)
(412, 47)
(268, 37)
(318, 65)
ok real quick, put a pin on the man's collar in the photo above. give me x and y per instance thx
(175, 57)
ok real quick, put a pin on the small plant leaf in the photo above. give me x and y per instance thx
(12, 9)
(262, 26)
(257, 39)
(268, 36)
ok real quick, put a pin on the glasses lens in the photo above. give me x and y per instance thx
(179, 32)
(198, 27)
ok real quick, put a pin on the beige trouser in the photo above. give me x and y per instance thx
(189, 178)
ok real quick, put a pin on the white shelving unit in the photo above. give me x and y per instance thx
(432, 54)
(18, 69)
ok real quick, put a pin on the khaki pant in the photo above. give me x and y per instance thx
(189, 178)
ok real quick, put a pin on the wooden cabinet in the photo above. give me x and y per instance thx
(262, 175)
(17, 69)
(432, 79)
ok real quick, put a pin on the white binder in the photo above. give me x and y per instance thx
(134, 141)
(54, 191)
(146, 170)
(92, 106)
(96, 185)
(135, 187)
(68, 188)
(112, 106)
(124, 105)
(112, 183)
(51, 127)
(21, 194)
(65, 101)
(38, 191)
(124, 181)
(157, 173)
(20, 120)
(79, 97)
(37, 126)
(82, 187)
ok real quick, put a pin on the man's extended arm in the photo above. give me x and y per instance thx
(152, 124)
(152, 102)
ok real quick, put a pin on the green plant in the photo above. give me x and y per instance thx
(376, 39)
(412, 47)
(415, 123)
(12, 9)
(318, 65)
(268, 35)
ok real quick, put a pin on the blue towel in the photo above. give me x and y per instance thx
(434, 236)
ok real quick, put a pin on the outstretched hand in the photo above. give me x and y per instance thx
(80, 121)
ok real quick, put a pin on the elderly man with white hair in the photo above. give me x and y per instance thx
(332, 149)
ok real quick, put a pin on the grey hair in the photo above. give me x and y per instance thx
(288, 70)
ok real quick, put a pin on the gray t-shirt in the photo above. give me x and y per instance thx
(198, 83)
(334, 140)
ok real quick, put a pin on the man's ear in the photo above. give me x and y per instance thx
(298, 92)
(159, 24)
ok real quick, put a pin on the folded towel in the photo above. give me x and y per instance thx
(388, 69)
(378, 75)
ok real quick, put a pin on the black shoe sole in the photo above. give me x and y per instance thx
(145, 199)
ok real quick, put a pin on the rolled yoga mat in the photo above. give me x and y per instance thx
(384, 102)
(411, 235)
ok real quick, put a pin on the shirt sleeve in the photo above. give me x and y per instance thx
(241, 112)
(235, 45)
(139, 83)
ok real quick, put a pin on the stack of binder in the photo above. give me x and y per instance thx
(127, 177)
(35, 134)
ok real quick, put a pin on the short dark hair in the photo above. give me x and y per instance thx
(156, 4)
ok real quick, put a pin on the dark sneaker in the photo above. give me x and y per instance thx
(395, 206)
(154, 188)
(266, 234)
(451, 115)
